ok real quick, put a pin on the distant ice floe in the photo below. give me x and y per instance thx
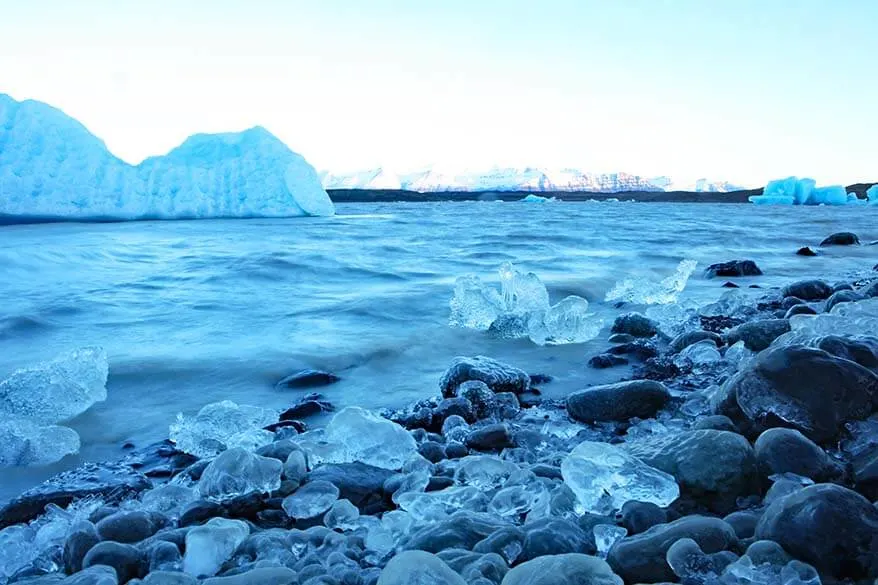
(521, 309)
(35, 398)
(643, 291)
(537, 199)
(796, 191)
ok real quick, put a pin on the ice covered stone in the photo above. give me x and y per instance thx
(311, 500)
(738, 355)
(416, 567)
(513, 501)
(438, 505)
(698, 356)
(562, 569)
(342, 515)
(210, 545)
(485, 472)
(57, 390)
(169, 499)
(222, 425)
(675, 318)
(454, 428)
(238, 472)
(645, 291)
(852, 319)
(604, 477)
(415, 481)
(24, 443)
(605, 536)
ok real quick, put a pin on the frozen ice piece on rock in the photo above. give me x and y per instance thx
(698, 356)
(169, 499)
(439, 505)
(643, 291)
(223, 425)
(210, 545)
(342, 515)
(605, 536)
(57, 390)
(486, 472)
(24, 443)
(415, 567)
(238, 472)
(566, 322)
(859, 319)
(498, 376)
(604, 477)
(311, 500)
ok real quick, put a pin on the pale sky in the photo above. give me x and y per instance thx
(743, 90)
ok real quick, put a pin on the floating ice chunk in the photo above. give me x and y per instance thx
(222, 425)
(210, 545)
(57, 390)
(311, 500)
(643, 291)
(485, 472)
(604, 477)
(772, 199)
(238, 472)
(474, 305)
(522, 293)
(567, 322)
(832, 195)
(675, 318)
(537, 199)
(698, 356)
(605, 536)
(169, 499)
(24, 443)
(795, 191)
(355, 434)
(872, 194)
(342, 515)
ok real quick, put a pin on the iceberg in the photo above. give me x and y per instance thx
(538, 199)
(872, 194)
(52, 168)
(795, 191)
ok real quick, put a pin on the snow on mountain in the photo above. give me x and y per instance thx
(52, 167)
(435, 179)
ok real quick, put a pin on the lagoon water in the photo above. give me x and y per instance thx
(193, 312)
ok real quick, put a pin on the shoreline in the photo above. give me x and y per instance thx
(487, 478)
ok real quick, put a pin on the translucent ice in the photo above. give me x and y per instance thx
(210, 545)
(522, 293)
(605, 536)
(795, 191)
(474, 305)
(643, 291)
(698, 356)
(238, 472)
(872, 194)
(675, 318)
(439, 505)
(311, 500)
(25, 443)
(567, 322)
(222, 425)
(512, 501)
(604, 477)
(169, 499)
(415, 481)
(860, 318)
(342, 515)
(486, 472)
(57, 390)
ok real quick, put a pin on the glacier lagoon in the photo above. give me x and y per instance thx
(196, 312)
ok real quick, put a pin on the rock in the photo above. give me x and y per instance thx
(129, 527)
(127, 560)
(199, 511)
(799, 310)
(870, 291)
(730, 284)
(508, 542)
(479, 396)
(360, 483)
(743, 522)
(863, 350)
(82, 537)
(257, 576)
(618, 402)
(212, 544)
(310, 405)
(733, 269)
(548, 536)
(498, 376)
(716, 465)
(540, 379)
(606, 360)
(805, 251)
(716, 422)
(432, 451)
(492, 437)
(94, 575)
(415, 567)
(112, 482)
(831, 527)
(308, 379)
(621, 338)
(563, 569)
(841, 239)
(237, 472)
(808, 290)
(169, 578)
(641, 558)
(635, 324)
(450, 406)
(842, 296)
(782, 450)
(311, 500)
(637, 517)
(641, 350)
(279, 450)
(684, 340)
(758, 335)
(461, 530)
(455, 450)
(163, 555)
(800, 387)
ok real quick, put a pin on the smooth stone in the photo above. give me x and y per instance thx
(637, 517)
(461, 530)
(129, 527)
(635, 324)
(606, 360)
(453, 406)
(279, 450)
(432, 451)
(126, 559)
(357, 482)
(800, 310)
(743, 522)
(828, 526)
(641, 350)
(733, 269)
(758, 335)
(684, 340)
(805, 251)
(257, 576)
(308, 379)
(82, 537)
(716, 422)
(493, 437)
(508, 542)
(841, 239)
(199, 511)
(415, 567)
(783, 450)
(454, 450)
(618, 402)
(861, 349)
(563, 569)
(499, 377)
(621, 338)
(549, 536)
(169, 578)
(842, 296)
(870, 291)
(808, 290)
(94, 575)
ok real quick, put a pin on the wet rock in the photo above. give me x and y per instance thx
(641, 350)
(308, 379)
(94, 575)
(126, 559)
(82, 537)
(461, 530)
(606, 360)
(732, 269)
(618, 402)
(432, 451)
(789, 451)
(129, 527)
(799, 310)
(563, 569)
(491, 438)
(499, 377)
(716, 422)
(455, 450)
(453, 406)
(169, 578)
(549, 536)
(360, 483)
(198, 512)
(530, 399)
(841, 239)
(537, 379)
(479, 396)
(758, 335)
(808, 290)
(684, 340)
(257, 576)
(730, 284)
(635, 324)
(805, 251)
(863, 350)
(163, 555)
(743, 523)
(637, 517)
(310, 405)
(799, 387)
(842, 296)
(111, 481)
(279, 450)
(831, 527)
(870, 291)
(621, 338)
(422, 568)
(641, 558)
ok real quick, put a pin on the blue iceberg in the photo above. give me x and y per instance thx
(795, 191)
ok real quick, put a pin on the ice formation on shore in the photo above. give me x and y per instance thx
(220, 426)
(643, 291)
(796, 191)
(521, 308)
(34, 398)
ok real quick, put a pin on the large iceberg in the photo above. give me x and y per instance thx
(872, 194)
(53, 168)
(796, 191)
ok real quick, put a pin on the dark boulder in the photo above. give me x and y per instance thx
(493, 437)
(641, 350)
(637, 517)
(808, 290)
(358, 482)
(842, 296)
(461, 530)
(870, 291)
(451, 406)
(81, 538)
(606, 360)
(805, 251)
(802, 309)
(127, 560)
(308, 379)
(863, 350)
(684, 340)
(129, 527)
(783, 450)
(499, 377)
(732, 269)
(758, 335)
(549, 536)
(635, 324)
(618, 402)
(841, 239)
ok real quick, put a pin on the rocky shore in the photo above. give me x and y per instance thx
(743, 450)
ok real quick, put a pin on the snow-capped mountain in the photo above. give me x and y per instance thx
(436, 179)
